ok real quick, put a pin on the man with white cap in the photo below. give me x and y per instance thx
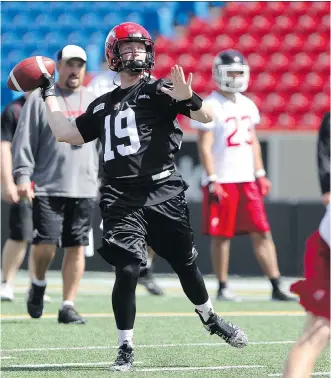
(63, 197)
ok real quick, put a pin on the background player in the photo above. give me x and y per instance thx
(314, 289)
(65, 184)
(230, 154)
(20, 215)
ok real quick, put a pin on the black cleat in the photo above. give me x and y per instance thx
(278, 295)
(150, 285)
(68, 315)
(125, 358)
(230, 333)
(35, 302)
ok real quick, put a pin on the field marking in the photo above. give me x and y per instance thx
(7, 357)
(78, 364)
(328, 373)
(165, 314)
(69, 364)
(201, 368)
(142, 346)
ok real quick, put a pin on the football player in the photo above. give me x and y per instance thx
(314, 289)
(234, 180)
(142, 194)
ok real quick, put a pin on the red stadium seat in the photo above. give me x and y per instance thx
(288, 121)
(188, 62)
(283, 24)
(260, 24)
(201, 44)
(318, 42)
(253, 8)
(321, 103)
(311, 121)
(163, 63)
(313, 82)
(215, 27)
(324, 24)
(273, 103)
(256, 62)
(232, 9)
(270, 43)
(199, 83)
(301, 62)
(223, 42)
(268, 121)
(278, 62)
(306, 24)
(247, 43)
(319, 8)
(293, 43)
(180, 46)
(236, 25)
(289, 82)
(298, 7)
(299, 103)
(205, 63)
(322, 62)
(265, 82)
(275, 8)
(257, 99)
(161, 44)
(196, 26)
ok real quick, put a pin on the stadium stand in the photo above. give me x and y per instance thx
(287, 45)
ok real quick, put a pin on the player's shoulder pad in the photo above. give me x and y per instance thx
(154, 86)
(98, 105)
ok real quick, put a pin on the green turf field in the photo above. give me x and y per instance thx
(169, 338)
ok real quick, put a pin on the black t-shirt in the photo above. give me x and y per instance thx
(9, 118)
(139, 133)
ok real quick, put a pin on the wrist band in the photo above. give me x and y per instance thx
(194, 103)
(212, 178)
(260, 173)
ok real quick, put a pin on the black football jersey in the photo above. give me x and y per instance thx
(138, 130)
(9, 118)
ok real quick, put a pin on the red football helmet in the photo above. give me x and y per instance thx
(128, 31)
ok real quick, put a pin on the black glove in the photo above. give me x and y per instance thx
(48, 87)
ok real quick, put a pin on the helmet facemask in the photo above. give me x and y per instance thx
(133, 65)
(228, 83)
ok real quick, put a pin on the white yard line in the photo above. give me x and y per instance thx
(71, 364)
(74, 364)
(7, 357)
(142, 346)
(165, 314)
(202, 368)
(327, 373)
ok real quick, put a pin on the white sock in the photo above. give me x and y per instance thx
(39, 282)
(67, 303)
(125, 335)
(205, 310)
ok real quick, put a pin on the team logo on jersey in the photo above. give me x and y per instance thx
(99, 107)
(144, 96)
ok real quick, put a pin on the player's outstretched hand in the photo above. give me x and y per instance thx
(181, 88)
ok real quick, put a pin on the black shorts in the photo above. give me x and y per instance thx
(63, 221)
(165, 227)
(20, 221)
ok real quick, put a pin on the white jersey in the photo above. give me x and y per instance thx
(324, 228)
(232, 148)
(104, 83)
